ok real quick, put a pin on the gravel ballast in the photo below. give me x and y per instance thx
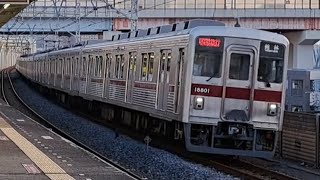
(152, 163)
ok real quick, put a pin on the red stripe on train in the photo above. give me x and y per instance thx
(236, 93)
(270, 96)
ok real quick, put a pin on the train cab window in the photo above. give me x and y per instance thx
(207, 64)
(270, 70)
(239, 66)
(271, 62)
(208, 56)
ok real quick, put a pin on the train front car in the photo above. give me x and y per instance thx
(235, 98)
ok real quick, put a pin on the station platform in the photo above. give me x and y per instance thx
(30, 151)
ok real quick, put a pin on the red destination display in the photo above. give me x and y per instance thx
(208, 42)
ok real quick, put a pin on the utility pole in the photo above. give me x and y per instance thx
(134, 15)
(78, 16)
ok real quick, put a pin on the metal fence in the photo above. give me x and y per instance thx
(299, 139)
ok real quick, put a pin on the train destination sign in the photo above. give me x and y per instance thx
(271, 50)
(209, 43)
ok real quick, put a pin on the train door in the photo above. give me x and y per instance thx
(107, 75)
(237, 87)
(130, 76)
(179, 73)
(163, 79)
(72, 71)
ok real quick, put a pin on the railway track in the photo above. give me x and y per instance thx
(227, 164)
(10, 96)
(246, 169)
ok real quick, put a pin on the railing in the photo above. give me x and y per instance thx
(45, 8)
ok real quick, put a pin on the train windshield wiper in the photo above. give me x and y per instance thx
(210, 78)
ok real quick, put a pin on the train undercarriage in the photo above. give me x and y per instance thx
(230, 138)
(227, 138)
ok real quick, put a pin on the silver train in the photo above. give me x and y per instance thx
(220, 88)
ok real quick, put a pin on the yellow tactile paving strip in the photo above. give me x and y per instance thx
(50, 168)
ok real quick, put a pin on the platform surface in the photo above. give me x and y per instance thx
(29, 151)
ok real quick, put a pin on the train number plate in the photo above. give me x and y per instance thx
(201, 90)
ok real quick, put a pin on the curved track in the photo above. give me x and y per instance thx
(12, 98)
(227, 164)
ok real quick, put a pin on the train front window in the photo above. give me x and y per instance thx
(271, 62)
(239, 66)
(270, 70)
(208, 56)
(207, 64)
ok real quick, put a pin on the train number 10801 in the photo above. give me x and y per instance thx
(202, 90)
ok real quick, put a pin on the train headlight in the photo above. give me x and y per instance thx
(198, 103)
(272, 109)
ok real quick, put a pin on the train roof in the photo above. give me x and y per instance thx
(193, 27)
(152, 31)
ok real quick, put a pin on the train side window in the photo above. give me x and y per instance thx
(147, 67)
(239, 66)
(64, 66)
(83, 70)
(91, 65)
(100, 66)
(72, 66)
(150, 66)
(132, 65)
(162, 66)
(51, 66)
(59, 66)
(109, 60)
(67, 66)
(168, 66)
(56, 66)
(97, 66)
(116, 67)
(77, 66)
(119, 67)
(144, 67)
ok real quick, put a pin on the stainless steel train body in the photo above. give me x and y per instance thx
(222, 86)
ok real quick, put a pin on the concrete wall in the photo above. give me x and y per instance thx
(301, 48)
(304, 58)
(298, 100)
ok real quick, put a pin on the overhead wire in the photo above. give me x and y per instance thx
(108, 5)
